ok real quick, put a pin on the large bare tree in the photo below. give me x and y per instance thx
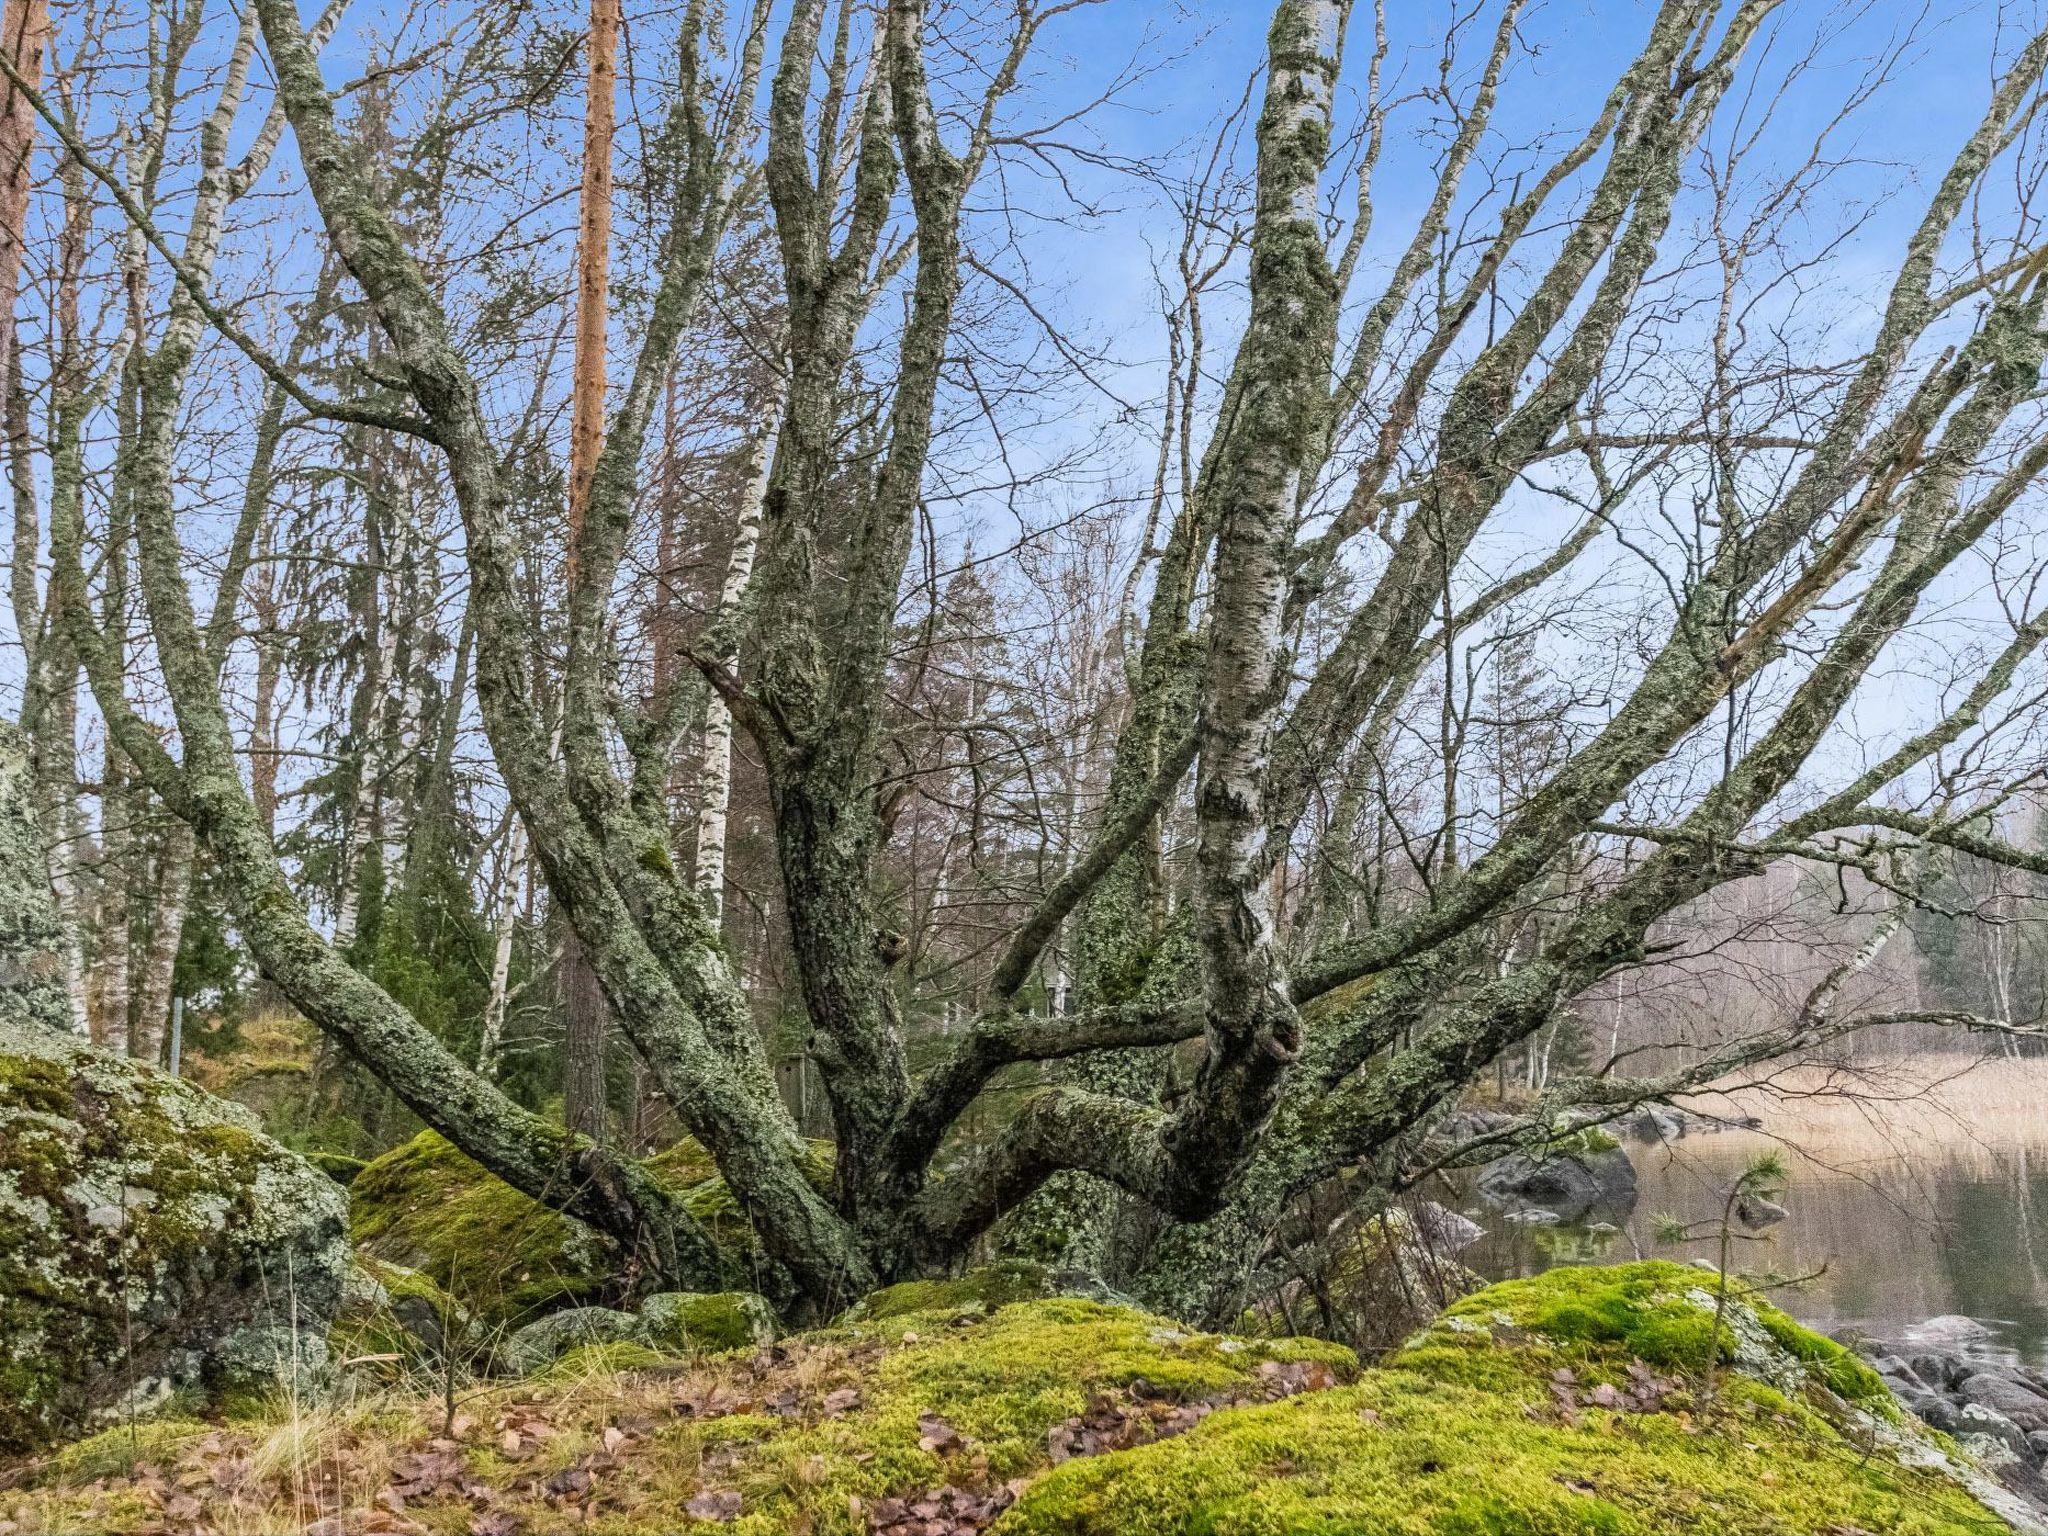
(1321, 566)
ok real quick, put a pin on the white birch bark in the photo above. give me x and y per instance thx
(714, 788)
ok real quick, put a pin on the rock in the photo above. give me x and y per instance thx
(1584, 1172)
(2008, 1396)
(427, 1207)
(1941, 1372)
(1939, 1413)
(544, 1342)
(153, 1244)
(1658, 1123)
(1946, 1333)
(1975, 1421)
(688, 1321)
(1445, 1230)
(982, 1290)
(1756, 1213)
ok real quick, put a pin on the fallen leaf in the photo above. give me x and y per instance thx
(720, 1504)
(936, 1435)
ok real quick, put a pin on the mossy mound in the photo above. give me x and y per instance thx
(1573, 1404)
(153, 1244)
(995, 1285)
(505, 1258)
(509, 1259)
(815, 1436)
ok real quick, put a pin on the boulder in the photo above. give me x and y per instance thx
(426, 1206)
(1946, 1333)
(2007, 1395)
(688, 1321)
(153, 1244)
(542, 1343)
(1756, 1213)
(1584, 1172)
(1657, 1123)
(1976, 1422)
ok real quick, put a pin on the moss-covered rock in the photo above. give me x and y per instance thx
(984, 1289)
(689, 1321)
(427, 1207)
(153, 1244)
(1572, 1403)
(507, 1258)
(542, 1343)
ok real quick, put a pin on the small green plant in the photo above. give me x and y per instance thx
(1758, 1187)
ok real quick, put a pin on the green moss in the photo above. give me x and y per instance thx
(1000, 1383)
(689, 1322)
(428, 1207)
(1584, 1142)
(508, 1258)
(143, 1227)
(1844, 1373)
(338, 1166)
(996, 1285)
(606, 1359)
(1459, 1434)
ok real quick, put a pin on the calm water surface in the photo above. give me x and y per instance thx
(1908, 1228)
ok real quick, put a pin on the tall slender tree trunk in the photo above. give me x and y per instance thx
(593, 262)
(24, 37)
(586, 1019)
(493, 1042)
(264, 607)
(170, 898)
(715, 785)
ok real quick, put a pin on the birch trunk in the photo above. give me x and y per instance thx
(714, 787)
(492, 1045)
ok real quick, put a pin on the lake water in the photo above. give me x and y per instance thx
(1917, 1189)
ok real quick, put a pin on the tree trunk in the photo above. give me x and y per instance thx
(32, 993)
(714, 787)
(593, 265)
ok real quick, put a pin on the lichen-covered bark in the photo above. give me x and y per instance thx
(32, 992)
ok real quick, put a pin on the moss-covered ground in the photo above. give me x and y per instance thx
(1575, 1404)
(1571, 1405)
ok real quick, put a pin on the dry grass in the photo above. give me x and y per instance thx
(1882, 1110)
